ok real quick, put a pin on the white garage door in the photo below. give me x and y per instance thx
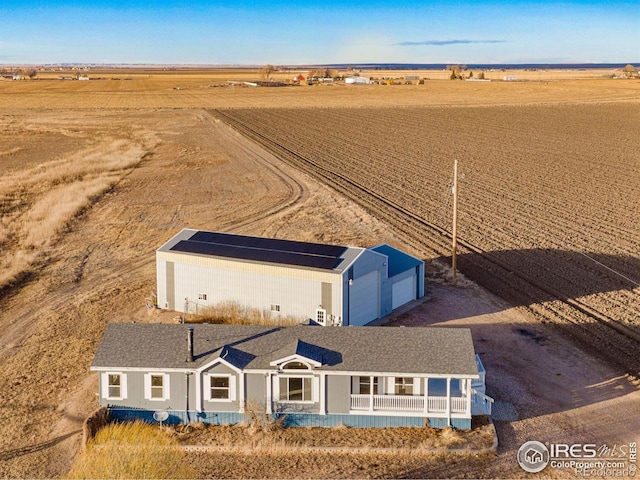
(403, 291)
(363, 299)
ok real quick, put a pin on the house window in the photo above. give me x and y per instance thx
(202, 296)
(157, 387)
(115, 385)
(275, 308)
(220, 388)
(295, 389)
(404, 386)
(321, 316)
(365, 385)
(437, 387)
(295, 366)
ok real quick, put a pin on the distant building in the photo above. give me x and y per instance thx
(357, 81)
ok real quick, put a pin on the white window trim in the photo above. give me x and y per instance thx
(232, 387)
(281, 362)
(412, 385)
(166, 388)
(323, 312)
(315, 388)
(123, 386)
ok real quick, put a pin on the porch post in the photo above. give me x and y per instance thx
(323, 381)
(426, 396)
(449, 400)
(371, 394)
(269, 394)
(468, 411)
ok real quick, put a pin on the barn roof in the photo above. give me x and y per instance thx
(264, 250)
(398, 261)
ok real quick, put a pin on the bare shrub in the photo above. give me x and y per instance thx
(233, 313)
(260, 420)
(443, 438)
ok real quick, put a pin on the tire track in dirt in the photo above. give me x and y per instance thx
(297, 192)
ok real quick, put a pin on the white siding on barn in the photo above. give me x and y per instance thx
(296, 297)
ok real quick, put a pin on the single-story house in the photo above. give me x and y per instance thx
(330, 284)
(313, 376)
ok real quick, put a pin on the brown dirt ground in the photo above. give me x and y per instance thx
(202, 175)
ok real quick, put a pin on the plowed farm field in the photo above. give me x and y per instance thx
(549, 203)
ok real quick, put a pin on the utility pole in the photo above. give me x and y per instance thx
(454, 258)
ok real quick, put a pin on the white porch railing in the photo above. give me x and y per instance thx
(437, 404)
(480, 403)
(407, 403)
(398, 403)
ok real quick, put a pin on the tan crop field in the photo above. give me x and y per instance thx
(97, 174)
(549, 192)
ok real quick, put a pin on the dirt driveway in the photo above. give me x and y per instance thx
(546, 389)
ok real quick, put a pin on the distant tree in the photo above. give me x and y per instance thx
(267, 71)
(470, 74)
(481, 76)
(630, 70)
(32, 73)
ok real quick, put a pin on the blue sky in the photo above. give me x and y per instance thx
(319, 31)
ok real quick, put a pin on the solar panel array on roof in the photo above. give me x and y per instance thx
(287, 252)
(269, 244)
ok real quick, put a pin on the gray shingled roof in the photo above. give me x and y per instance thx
(427, 350)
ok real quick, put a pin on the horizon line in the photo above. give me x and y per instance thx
(305, 65)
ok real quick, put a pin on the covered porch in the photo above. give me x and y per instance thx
(410, 396)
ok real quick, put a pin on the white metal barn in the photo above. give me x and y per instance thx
(331, 284)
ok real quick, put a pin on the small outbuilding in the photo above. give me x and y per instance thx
(357, 81)
(329, 284)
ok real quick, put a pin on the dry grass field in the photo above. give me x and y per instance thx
(96, 175)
